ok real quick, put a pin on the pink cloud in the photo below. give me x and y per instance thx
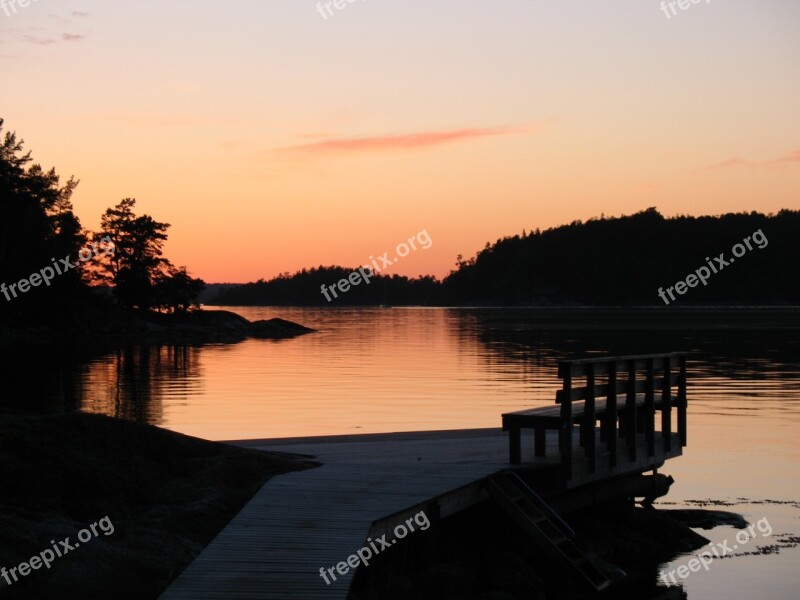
(735, 163)
(38, 40)
(409, 141)
(47, 41)
(789, 157)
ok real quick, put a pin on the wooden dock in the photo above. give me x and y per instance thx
(302, 524)
(303, 521)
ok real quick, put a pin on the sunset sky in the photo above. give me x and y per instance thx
(273, 139)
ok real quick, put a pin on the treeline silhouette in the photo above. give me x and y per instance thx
(304, 288)
(51, 268)
(37, 224)
(625, 260)
(603, 261)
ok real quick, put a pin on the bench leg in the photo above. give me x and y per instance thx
(540, 441)
(640, 421)
(605, 428)
(578, 421)
(515, 451)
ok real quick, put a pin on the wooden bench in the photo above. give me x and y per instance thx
(624, 402)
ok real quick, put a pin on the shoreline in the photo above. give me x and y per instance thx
(111, 328)
(167, 494)
(616, 535)
(593, 318)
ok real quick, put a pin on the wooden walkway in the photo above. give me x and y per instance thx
(299, 522)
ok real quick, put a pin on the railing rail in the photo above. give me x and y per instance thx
(652, 377)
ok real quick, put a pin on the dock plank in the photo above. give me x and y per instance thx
(303, 521)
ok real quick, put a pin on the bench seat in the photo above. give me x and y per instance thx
(542, 418)
(587, 384)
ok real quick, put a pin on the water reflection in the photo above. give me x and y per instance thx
(134, 382)
(373, 370)
(731, 364)
(42, 379)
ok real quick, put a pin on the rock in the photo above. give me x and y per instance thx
(111, 326)
(706, 519)
(276, 329)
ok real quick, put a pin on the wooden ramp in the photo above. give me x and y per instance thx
(303, 521)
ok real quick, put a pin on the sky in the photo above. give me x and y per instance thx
(275, 135)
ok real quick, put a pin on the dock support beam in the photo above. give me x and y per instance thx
(565, 431)
(682, 400)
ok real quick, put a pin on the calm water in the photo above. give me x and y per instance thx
(381, 370)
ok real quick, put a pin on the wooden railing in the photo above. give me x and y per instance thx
(644, 383)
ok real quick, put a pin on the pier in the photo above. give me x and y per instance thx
(309, 520)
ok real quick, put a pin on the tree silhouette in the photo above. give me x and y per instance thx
(176, 291)
(37, 225)
(137, 261)
(142, 277)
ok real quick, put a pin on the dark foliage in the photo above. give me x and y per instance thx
(39, 230)
(37, 225)
(625, 260)
(605, 261)
(305, 289)
(142, 277)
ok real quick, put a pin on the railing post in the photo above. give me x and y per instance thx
(589, 418)
(631, 418)
(682, 399)
(565, 430)
(649, 409)
(611, 414)
(666, 406)
(514, 446)
(630, 411)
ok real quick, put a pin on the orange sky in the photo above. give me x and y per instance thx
(273, 139)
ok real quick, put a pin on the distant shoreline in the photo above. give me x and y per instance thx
(617, 317)
(654, 308)
(110, 328)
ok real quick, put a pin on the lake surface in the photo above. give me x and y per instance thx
(405, 369)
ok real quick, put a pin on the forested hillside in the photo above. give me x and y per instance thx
(604, 261)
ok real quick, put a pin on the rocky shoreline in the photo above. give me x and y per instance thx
(224, 325)
(109, 328)
(165, 495)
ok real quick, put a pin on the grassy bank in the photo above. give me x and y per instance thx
(167, 496)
